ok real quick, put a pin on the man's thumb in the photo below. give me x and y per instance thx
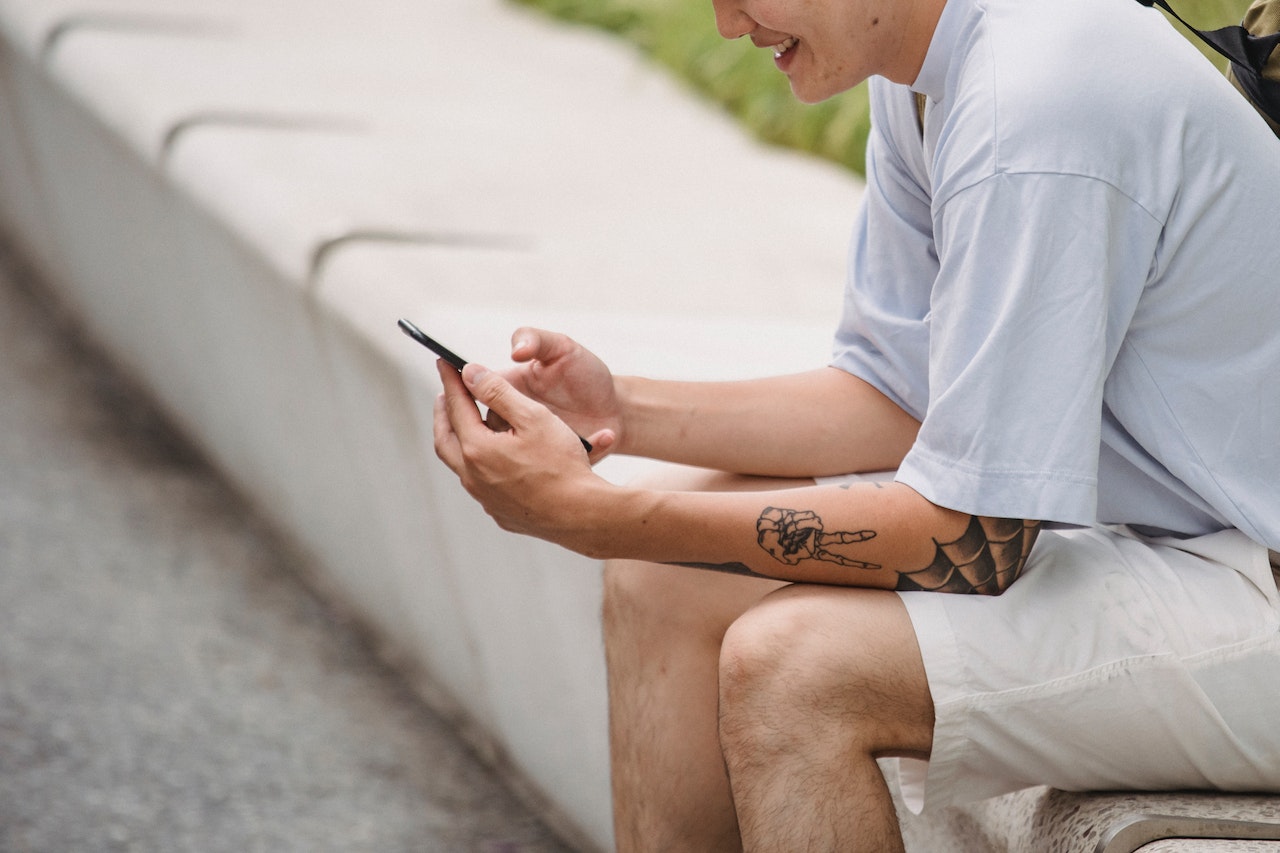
(491, 389)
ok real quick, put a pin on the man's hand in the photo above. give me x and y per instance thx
(569, 380)
(532, 476)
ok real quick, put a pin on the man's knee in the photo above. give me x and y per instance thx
(810, 659)
(764, 659)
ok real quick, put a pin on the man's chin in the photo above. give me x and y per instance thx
(806, 96)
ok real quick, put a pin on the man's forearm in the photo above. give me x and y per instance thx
(534, 479)
(805, 425)
(872, 535)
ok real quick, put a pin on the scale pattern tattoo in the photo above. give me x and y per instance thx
(987, 558)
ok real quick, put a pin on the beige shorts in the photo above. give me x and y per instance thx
(1116, 661)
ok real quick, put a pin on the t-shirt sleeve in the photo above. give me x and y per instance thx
(882, 337)
(1034, 270)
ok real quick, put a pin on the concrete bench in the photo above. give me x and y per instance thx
(240, 202)
(1042, 820)
(243, 227)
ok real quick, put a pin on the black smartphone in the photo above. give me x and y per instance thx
(455, 360)
(432, 344)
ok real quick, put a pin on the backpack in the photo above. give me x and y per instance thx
(1251, 47)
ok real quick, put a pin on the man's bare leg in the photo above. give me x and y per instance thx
(816, 683)
(663, 628)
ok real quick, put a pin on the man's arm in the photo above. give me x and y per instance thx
(812, 424)
(534, 479)
(869, 534)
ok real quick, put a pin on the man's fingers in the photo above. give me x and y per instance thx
(601, 443)
(460, 405)
(529, 344)
(450, 409)
(504, 401)
(446, 440)
(459, 428)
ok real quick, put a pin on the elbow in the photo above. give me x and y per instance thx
(985, 560)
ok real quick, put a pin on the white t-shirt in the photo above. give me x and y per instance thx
(1074, 278)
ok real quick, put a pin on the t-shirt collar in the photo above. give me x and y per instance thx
(932, 80)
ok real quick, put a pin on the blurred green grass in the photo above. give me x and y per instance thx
(681, 36)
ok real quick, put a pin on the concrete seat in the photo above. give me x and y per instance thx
(248, 270)
(1042, 819)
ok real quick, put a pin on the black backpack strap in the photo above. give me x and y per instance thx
(1249, 55)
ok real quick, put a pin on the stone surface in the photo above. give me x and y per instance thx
(167, 682)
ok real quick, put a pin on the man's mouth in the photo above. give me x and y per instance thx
(782, 47)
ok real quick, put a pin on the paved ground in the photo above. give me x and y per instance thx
(166, 683)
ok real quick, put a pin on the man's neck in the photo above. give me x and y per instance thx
(917, 33)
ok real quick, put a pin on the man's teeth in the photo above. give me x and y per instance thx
(783, 47)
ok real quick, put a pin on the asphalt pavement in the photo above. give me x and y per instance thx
(168, 681)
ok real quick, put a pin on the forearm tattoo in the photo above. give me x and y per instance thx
(727, 568)
(987, 558)
(792, 535)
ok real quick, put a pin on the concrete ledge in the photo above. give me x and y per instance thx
(1042, 819)
(241, 203)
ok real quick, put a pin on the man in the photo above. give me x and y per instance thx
(1062, 329)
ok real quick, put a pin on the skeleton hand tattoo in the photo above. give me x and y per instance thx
(792, 535)
(987, 558)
